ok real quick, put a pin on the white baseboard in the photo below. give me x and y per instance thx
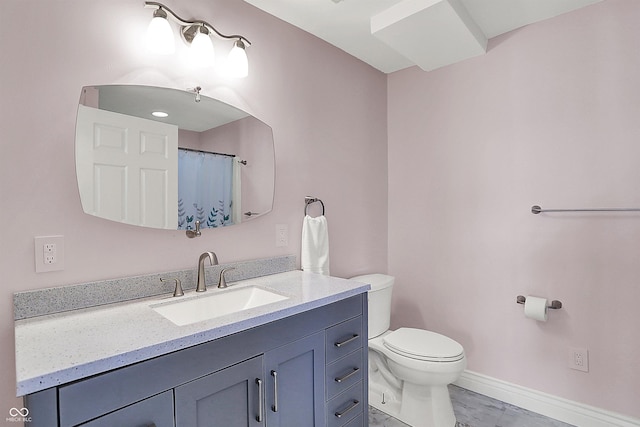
(560, 409)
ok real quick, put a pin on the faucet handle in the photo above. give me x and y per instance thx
(222, 283)
(177, 292)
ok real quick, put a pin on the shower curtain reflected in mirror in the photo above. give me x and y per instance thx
(205, 189)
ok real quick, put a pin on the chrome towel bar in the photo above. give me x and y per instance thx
(535, 209)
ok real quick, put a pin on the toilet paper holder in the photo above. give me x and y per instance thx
(555, 304)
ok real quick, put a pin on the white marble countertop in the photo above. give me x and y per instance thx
(59, 348)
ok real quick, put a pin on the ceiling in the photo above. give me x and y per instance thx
(391, 35)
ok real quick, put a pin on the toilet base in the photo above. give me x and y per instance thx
(417, 406)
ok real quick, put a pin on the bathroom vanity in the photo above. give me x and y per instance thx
(301, 361)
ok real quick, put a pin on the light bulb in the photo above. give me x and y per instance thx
(160, 35)
(201, 50)
(237, 62)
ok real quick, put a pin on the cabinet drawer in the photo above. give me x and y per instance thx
(155, 411)
(344, 407)
(344, 338)
(344, 373)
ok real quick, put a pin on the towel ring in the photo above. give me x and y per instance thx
(308, 200)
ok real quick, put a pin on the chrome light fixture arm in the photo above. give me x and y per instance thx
(189, 28)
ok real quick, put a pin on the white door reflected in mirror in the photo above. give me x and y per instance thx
(125, 168)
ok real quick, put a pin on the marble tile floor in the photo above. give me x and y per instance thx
(475, 410)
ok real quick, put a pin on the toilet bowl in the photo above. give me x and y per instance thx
(409, 369)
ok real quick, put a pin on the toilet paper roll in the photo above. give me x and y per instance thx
(536, 308)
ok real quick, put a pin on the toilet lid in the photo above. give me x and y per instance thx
(423, 345)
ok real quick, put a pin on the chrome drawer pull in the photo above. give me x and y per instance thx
(259, 416)
(347, 376)
(352, 406)
(347, 341)
(274, 407)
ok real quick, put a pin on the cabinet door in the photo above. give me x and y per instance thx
(227, 398)
(294, 375)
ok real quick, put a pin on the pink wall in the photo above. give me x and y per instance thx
(327, 111)
(549, 116)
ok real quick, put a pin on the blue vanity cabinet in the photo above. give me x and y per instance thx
(279, 374)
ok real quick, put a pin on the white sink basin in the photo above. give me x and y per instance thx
(217, 303)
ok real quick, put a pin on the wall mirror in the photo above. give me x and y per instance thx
(165, 158)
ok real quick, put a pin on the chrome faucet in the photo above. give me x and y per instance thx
(213, 259)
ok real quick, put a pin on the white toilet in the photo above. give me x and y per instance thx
(409, 369)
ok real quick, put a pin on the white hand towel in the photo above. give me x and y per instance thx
(315, 245)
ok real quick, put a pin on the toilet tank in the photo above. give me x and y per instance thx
(379, 301)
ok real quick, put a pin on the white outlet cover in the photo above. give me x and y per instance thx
(282, 235)
(576, 353)
(40, 254)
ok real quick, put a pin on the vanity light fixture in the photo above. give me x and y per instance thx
(237, 62)
(201, 50)
(160, 35)
(196, 34)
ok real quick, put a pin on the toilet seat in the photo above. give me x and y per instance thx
(423, 345)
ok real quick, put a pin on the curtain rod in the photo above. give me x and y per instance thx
(206, 152)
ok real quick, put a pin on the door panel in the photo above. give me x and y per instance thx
(295, 383)
(227, 398)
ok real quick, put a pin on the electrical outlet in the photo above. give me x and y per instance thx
(49, 253)
(579, 359)
(282, 235)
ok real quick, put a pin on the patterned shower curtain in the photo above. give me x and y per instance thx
(205, 183)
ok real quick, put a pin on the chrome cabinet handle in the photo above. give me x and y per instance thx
(347, 341)
(259, 416)
(347, 376)
(354, 403)
(274, 407)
